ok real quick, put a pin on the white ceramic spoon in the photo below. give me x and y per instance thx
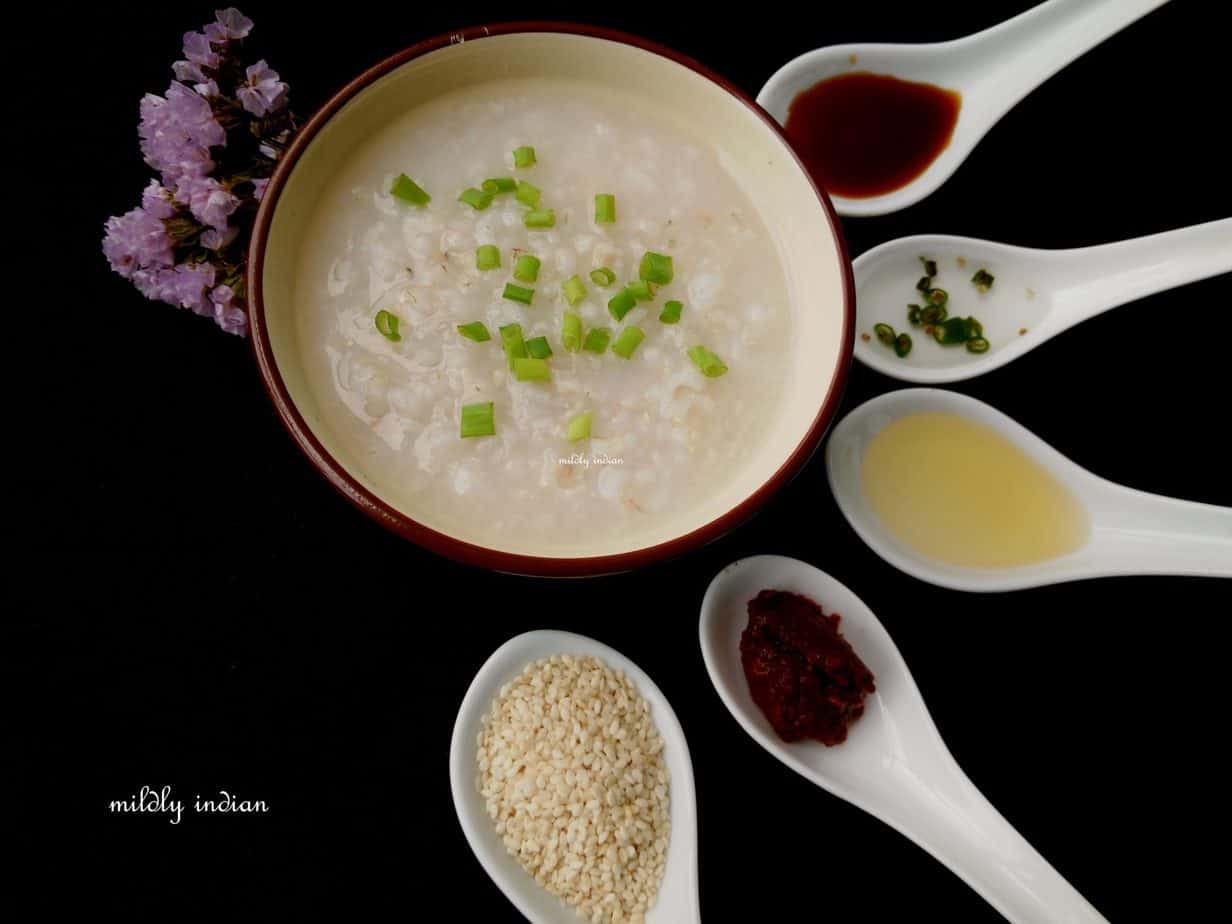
(678, 899)
(993, 70)
(1037, 293)
(893, 764)
(1132, 532)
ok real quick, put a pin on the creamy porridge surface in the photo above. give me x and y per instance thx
(664, 436)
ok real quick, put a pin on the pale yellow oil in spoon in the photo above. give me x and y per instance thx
(958, 492)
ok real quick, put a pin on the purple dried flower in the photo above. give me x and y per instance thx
(149, 282)
(177, 132)
(197, 50)
(156, 199)
(185, 286)
(214, 239)
(206, 198)
(158, 284)
(194, 213)
(136, 240)
(228, 24)
(164, 146)
(262, 92)
(192, 115)
(227, 314)
(189, 286)
(188, 72)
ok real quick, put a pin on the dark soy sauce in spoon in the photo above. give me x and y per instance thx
(863, 134)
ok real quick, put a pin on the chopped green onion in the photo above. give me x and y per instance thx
(579, 427)
(656, 268)
(538, 348)
(526, 268)
(983, 280)
(627, 341)
(528, 194)
(597, 339)
(518, 293)
(512, 342)
(476, 198)
(574, 290)
(914, 314)
(712, 367)
(523, 156)
(902, 345)
(938, 297)
(500, 184)
(487, 257)
(977, 345)
(527, 369)
(475, 330)
(478, 420)
(640, 290)
(953, 330)
(925, 284)
(571, 332)
(387, 324)
(408, 190)
(605, 208)
(621, 303)
(602, 277)
(885, 333)
(540, 219)
(930, 266)
(933, 314)
(671, 312)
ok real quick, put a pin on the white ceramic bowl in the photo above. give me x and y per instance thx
(753, 149)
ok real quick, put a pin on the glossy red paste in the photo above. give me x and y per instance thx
(802, 673)
(863, 134)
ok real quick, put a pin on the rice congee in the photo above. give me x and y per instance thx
(540, 307)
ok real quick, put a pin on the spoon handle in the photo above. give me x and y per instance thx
(1143, 533)
(1021, 53)
(952, 820)
(1090, 280)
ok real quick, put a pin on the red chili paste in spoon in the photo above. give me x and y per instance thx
(802, 673)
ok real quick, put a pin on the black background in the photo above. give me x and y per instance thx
(197, 608)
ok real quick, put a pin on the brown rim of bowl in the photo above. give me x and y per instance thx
(457, 549)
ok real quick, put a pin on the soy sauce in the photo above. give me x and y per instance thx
(863, 134)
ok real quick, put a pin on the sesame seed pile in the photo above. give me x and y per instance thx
(571, 769)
